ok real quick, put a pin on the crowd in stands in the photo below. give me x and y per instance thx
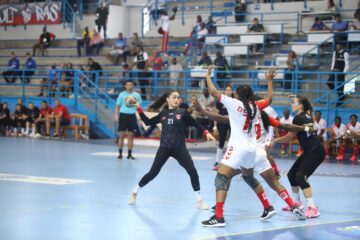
(33, 121)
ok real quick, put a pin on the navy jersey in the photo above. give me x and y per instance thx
(173, 124)
(34, 113)
(307, 141)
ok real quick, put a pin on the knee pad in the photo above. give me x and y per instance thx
(251, 181)
(221, 182)
(301, 180)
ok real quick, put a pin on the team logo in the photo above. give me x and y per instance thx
(178, 116)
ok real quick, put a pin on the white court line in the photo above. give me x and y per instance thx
(142, 155)
(41, 180)
(275, 229)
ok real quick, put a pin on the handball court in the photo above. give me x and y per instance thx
(79, 190)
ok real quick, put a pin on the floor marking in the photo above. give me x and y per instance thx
(142, 155)
(41, 180)
(276, 229)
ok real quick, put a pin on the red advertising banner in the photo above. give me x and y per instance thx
(31, 13)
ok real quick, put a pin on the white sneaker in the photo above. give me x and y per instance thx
(38, 135)
(132, 199)
(202, 205)
(32, 135)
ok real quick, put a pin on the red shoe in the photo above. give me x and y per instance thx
(327, 156)
(340, 157)
(353, 158)
(298, 204)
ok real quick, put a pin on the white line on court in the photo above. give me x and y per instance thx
(275, 229)
(41, 180)
(142, 155)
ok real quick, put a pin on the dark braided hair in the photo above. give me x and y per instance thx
(245, 94)
(264, 115)
(161, 100)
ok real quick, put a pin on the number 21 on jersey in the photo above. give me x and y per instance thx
(170, 121)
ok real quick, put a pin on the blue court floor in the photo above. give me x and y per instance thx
(54, 190)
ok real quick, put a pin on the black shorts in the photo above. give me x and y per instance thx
(127, 122)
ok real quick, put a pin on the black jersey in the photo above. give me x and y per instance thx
(222, 109)
(173, 124)
(307, 141)
(34, 113)
(339, 61)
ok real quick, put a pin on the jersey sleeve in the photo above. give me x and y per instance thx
(298, 120)
(138, 98)
(230, 103)
(262, 103)
(148, 121)
(119, 100)
(273, 122)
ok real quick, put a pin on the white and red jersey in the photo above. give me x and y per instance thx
(271, 133)
(321, 125)
(338, 132)
(239, 121)
(287, 121)
(165, 23)
(355, 128)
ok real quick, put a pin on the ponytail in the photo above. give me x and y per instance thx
(161, 101)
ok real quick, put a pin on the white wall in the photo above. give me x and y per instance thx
(33, 32)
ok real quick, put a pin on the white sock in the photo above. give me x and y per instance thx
(310, 202)
(219, 154)
(296, 197)
(33, 130)
(136, 189)
(198, 196)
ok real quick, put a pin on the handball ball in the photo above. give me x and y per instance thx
(130, 101)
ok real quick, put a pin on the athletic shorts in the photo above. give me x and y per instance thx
(262, 164)
(269, 136)
(239, 157)
(127, 122)
(64, 122)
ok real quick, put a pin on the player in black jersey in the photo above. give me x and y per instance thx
(312, 157)
(172, 144)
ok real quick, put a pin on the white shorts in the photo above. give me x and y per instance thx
(262, 164)
(269, 136)
(239, 157)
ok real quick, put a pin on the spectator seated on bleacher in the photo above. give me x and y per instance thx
(5, 122)
(291, 67)
(12, 72)
(19, 119)
(51, 81)
(207, 102)
(197, 35)
(33, 114)
(175, 69)
(119, 48)
(318, 25)
(331, 7)
(353, 126)
(40, 122)
(338, 131)
(222, 67)
(96, 43)
(95, 67)
(211, 25)
(339, 25)
(84, 42)
(132, 48)
(356, 23)
(256, 27)
(205, 60)
(321, 133)
(30, 67)
(44, 42)
(240, 10)
(286, 119)
(59, 117)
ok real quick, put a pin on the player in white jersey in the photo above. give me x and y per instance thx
(321, 126)
(338, 131)
(353, 126)
(286, 119)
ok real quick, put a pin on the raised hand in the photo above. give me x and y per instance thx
(270, 75)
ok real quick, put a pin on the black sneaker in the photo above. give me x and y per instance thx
(268, 213)
(298, 213)
(130, 157)
(55, 136)
(119, 157)
(214, 222)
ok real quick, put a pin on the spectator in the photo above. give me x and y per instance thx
(84, 42)
(339, 66)
(339, 25)
(155, 65)
(183, 104)
(95, 68)
(133, 45)
(205, 59)
(175, 70)
(13, 67)
(292, 64)
(19, 119)
(5, 122)
(51, 81)
(142, 65)
(59, 116)
(320, 125)
(331, 7)
(30, 67)
(207, 102)
(45, 112)
(157, 7)
(256, 27)
(102, 14)
(197, 35)
(23, 107)
(353, 126)
(222, 67)
(197, 26)
(338, 131)
(96, 43)
(211, 25)
(164, 29)
(44, 41)
(356, 24)
(123, 78)
(119, 48)
(33, 114)
(286, 119)
(318, 25)
(357, 12)
(240, 10)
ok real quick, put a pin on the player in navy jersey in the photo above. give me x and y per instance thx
(172, 143)
(312, 157)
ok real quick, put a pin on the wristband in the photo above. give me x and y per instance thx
(139, 110)
(307, 129)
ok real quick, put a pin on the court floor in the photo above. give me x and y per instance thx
(78, 190)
